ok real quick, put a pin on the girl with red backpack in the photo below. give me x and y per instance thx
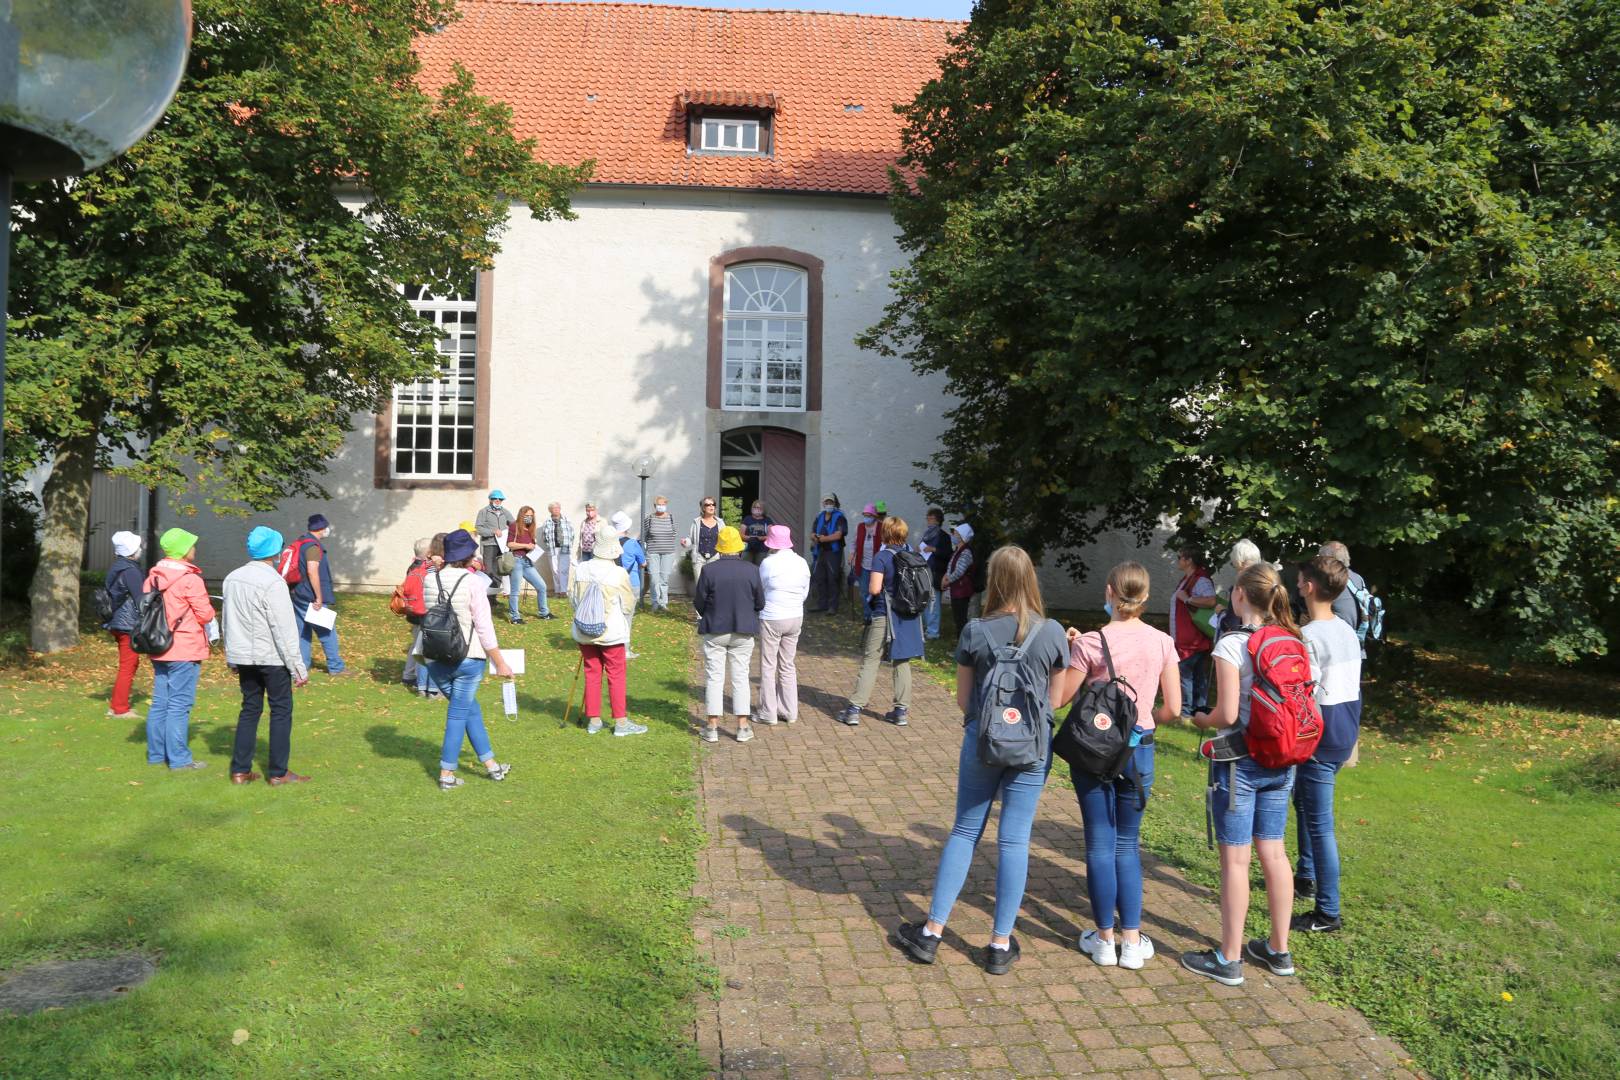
(1263, 716)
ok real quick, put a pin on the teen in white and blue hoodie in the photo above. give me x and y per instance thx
(1336, 654)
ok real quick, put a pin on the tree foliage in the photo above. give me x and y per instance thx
(211, 303)
(1287, 271)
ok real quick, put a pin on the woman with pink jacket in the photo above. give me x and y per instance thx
(175, 671)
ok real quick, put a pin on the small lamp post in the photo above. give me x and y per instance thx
(644, 469)
(81, 81)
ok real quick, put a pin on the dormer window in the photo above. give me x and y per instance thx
(729, 122)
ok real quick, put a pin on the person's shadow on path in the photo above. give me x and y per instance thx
(877, 869)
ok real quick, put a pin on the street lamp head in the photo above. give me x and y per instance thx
(82, 80)
(644, 466)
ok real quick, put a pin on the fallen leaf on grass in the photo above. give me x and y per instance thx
(134, 783)
(239, 1036)
(103, 768)
(416, 1031)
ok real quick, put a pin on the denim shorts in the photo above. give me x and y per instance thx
(1256, 808)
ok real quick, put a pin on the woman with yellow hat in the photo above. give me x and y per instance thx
(728, 599)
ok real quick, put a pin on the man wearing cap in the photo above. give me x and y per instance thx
(827, 557)
(633, 557)
(785, 578)
(262, 647)
(176, 670)
(124, 582)
(312, 592)
(490, 525)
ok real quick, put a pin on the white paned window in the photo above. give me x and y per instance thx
(765, 351)
(736, 136)
(434, 418)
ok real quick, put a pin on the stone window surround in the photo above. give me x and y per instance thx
(813, 268)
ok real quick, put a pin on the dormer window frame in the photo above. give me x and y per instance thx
(699, 118)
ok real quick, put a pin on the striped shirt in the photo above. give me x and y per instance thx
(658, 534)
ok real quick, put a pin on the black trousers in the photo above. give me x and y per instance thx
(828, 583)
(261, 681)
(959, 609)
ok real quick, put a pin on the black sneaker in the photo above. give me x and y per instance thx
(515, 620)
(546, 616)
(997, 961)
(1314, 922)
(896, 716)
(1304, 888)
(1209, 965)
(850, 715)
(914, 943)
(1278, 963)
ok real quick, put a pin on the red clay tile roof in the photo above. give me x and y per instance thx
(612, 82)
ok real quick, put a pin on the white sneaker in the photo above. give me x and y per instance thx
(1134, 955)
(711, 734)
(745, 734)
(768, 721)
(1102, 953)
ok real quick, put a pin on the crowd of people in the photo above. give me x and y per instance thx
(751, 588)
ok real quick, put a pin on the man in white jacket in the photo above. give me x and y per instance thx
(261, 646)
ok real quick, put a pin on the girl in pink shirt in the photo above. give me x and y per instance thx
(1145, 657)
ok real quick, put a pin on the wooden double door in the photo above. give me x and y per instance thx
(767, 464)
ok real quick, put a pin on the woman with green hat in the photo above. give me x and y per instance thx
(176, 670)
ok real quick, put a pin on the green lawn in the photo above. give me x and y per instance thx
(366, 923)
(1480, 857)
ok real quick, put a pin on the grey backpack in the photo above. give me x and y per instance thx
(1015, 716)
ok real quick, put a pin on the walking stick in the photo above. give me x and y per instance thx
(572, 691)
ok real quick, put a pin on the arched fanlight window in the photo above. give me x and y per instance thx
(766, 330)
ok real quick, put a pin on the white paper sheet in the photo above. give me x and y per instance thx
(213, 630)
(325, 618)
(514, 660)
(509, 697)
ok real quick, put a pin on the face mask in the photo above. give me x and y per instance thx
(1108, 609)
(759, 511)
(868, 518)
(660, 509)
(827, 507)
(529, 520)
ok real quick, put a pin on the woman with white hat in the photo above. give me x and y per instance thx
(602, 646)
(123, 589)
(958, 580)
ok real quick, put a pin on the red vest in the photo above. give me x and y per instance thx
(1189, 639)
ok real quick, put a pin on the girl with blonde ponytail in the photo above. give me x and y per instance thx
(1145, 658)
(1248, 802)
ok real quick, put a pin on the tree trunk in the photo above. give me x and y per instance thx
(54, 596)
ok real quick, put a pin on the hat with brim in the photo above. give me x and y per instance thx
(881, 507)
(459, 545)
(263, 542)
(621, 522)
(177, 542)
(965, 531)
(498, 494)
(126, 543)
(869, 509)
(607, 542)
(729, 542)
(317, 522)
(778, 537)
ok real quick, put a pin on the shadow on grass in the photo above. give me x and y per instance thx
(390, 742)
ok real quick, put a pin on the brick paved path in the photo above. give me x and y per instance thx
(822, 839)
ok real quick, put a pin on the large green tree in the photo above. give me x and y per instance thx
(1287, 271)
(212, 303)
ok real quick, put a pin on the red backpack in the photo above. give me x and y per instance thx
(291, 564)
(1285, 723)
(409, 600)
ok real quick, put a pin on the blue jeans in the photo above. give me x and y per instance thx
(523, 570)
(464, 718)
(931, 615)
(329, 641)
(659, 566)
(1318, 847)
(1112, 814)
(1194, 683)
(168, 717)
(976, 787)
(1256, 808)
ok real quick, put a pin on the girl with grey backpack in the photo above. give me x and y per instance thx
(1007, 688)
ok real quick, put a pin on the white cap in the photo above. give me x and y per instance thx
(621, 521)
(126, 544)
(965, 531)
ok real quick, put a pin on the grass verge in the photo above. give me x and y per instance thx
(365, 923)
